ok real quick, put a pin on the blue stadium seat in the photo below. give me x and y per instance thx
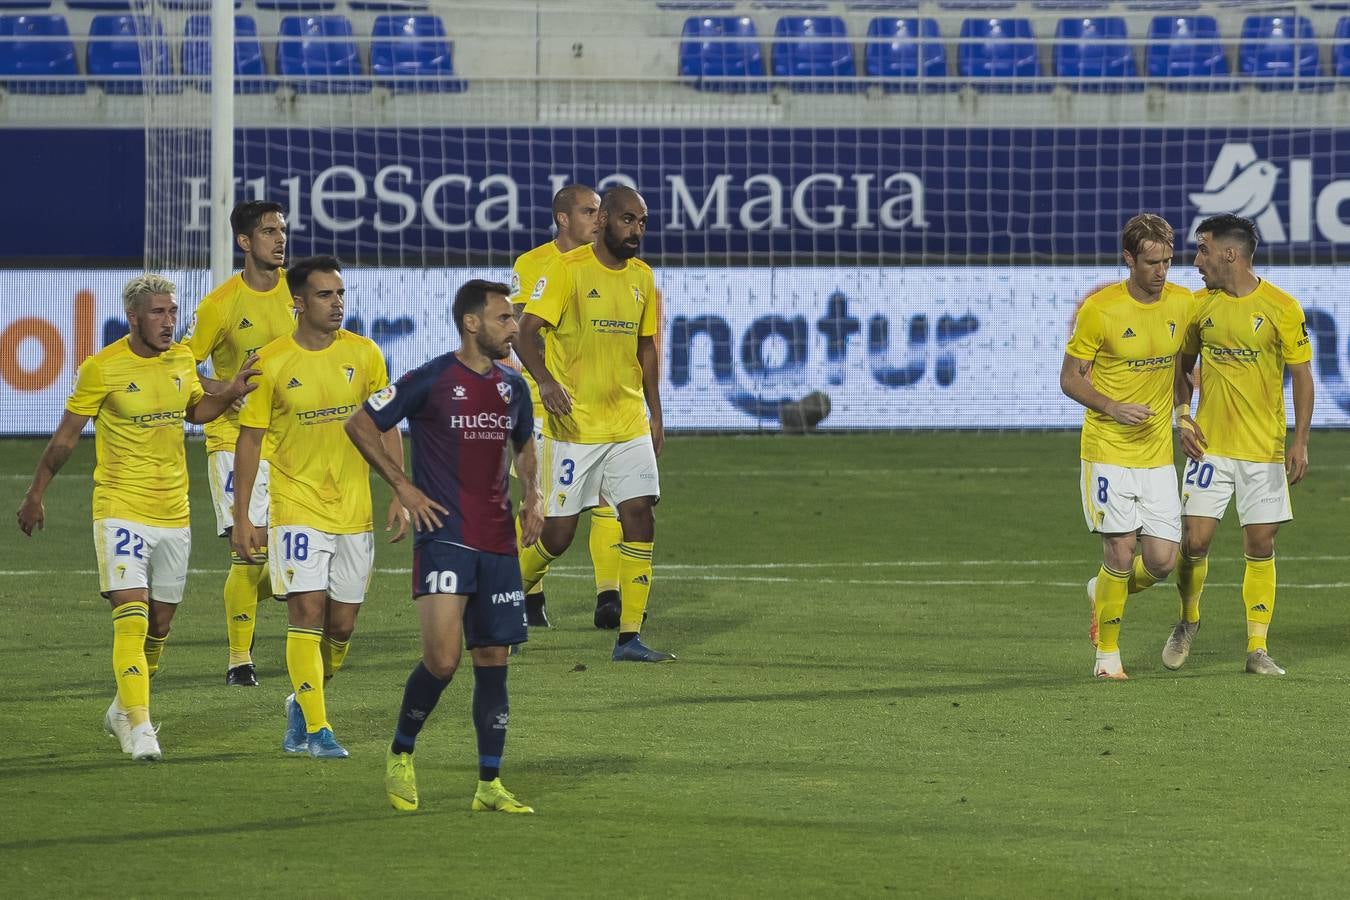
(319, 46)
(106, 5)
(114, 49)
(1000, 48)
(25, 4)
(389, 5)
(810, 47)
(296, 5)
(1094, 49)
(1340, 50)
(1186, 51)
(248, 56)
(1281, 48)
(193, 5)
(908, 49)
(722, 53)
(19, 56)
(411, 53)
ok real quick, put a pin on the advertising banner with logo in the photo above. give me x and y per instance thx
(809, 196)
(889, 348)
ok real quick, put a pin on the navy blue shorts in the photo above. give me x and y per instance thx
(494, 615)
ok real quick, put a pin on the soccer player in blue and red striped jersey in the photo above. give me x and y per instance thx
(463, 410)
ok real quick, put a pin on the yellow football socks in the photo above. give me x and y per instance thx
(1140, 577)
(635, 583)
(1112, 589)
(304, 662)
(131, 623)
(534, 562)
(334, 653)
(154, 649)
(606, 535)
(1191, 572)
(539, 585)
(1258, 596)
(243, 586)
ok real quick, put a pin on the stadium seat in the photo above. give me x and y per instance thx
(106, 5)
(389, 5)
(114, 50)
(722, 53)
(907, 49)
(1340, 50)
(411, 53)
(319, 46)
(25, 4)
(20, 56)
(192, 5)
(1280, 48)
(296, 5)
(1003, 49)
(1094, 48)
(248, 56)
(809, 47)
(1186, 51)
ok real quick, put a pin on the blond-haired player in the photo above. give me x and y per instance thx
(1248, 332)
(138, 390)
(1120, 364)
(248, 311)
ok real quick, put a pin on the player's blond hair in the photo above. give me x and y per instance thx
(1145, 228)
(143, 286)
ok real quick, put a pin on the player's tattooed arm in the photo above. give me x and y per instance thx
(1077, 386)
(32, 514)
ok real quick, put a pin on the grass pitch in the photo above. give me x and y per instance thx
(883, 690)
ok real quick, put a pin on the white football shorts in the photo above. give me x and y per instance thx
(577, 476)
(135, 555)
(220, 473)
(1121, 500)
(1262, 490)
(305, 559)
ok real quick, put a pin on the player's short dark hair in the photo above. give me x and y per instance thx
(1145, 228)
(566, 199)
(297, 276)
(472, 297)
(244, 218)
(1228, 227)
(616, 195)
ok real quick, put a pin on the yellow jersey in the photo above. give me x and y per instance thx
(138, 405)
(526, 272)
(1244, 343)
(318, 477)
(1133, 349)
(230, 323)
(597, 315)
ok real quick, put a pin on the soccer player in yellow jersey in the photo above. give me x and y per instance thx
(575, 209)
(598, 305)
(138, 390)
(1120, 364)
(1248, 332)
(320, 546)
(251, 309)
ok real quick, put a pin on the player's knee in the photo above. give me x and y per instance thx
(340, 631)
(1259, 546)
(639, 523)
(441, 666)
(1161, 566)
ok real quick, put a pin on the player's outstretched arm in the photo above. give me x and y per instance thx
(215, 403)
(32, 515)
(1076, 383)
(528, 348)
(424, 512)
(1296, 459)
(246, 538)
(649, 358)
(531, 494)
